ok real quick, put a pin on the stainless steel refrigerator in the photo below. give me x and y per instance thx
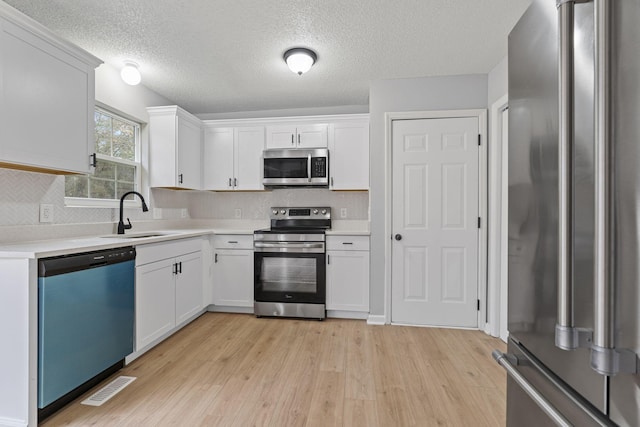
(574, 215)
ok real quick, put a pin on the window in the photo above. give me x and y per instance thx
(117, 169)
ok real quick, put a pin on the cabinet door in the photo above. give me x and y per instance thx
(349, 148)
(233, 278)
(155, 301)
(281, 137)
(46, 104)
(188, 286)
(348, 280)
(312, 136)
(218, 159)
(189, 155)
(248, 158)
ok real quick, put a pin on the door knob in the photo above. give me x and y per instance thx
(398, 236)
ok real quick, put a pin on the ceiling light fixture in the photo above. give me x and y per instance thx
(300, 59)
(130, 73)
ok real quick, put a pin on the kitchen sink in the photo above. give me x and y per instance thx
(139, 235)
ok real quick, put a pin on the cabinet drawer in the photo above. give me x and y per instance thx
(347, 243)
(158, 251)
(233, 241)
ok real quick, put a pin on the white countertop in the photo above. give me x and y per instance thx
(71, 245)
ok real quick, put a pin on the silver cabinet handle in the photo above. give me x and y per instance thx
(180, 180)
(309, 167)
(232, 241)
(332, 181)
(347, 243)
(328, 259)
(533, 393)
(230, 182)
(215, 258)
(292, 141)
(235, 182)
(298, 139)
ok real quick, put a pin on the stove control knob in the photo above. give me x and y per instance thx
(324, 212)
(315, 211)
(283, 212)
(275, 211)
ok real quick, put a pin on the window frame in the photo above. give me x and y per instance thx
(114, 203)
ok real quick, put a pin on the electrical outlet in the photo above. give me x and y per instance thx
(343, 212)
(184, 213)
(46, 213)
(238, 213)
(157, 213)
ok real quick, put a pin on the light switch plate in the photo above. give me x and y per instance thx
(46, 213)
(184, 213)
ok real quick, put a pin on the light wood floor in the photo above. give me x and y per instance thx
(238, 370)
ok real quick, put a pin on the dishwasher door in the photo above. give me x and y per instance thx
(85, 319)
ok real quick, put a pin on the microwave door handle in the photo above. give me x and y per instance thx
(309, 167)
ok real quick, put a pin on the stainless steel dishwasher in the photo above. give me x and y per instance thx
(85, 322)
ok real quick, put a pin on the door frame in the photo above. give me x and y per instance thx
(497, 259)
(481, 115)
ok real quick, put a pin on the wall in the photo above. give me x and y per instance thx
(420, 94)
(256, 205)
(498, 82)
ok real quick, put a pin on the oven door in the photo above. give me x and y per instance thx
(290, 277)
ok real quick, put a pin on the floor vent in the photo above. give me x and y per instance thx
(108, 391)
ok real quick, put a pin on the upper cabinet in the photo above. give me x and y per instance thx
(46, 98)
(232, 158)
(175, 148)
(349, 154)
(297, 136)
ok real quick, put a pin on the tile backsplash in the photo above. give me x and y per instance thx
(21, 194)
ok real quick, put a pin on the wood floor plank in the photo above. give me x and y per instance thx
(239, 370)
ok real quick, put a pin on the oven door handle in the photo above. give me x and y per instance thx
(288, 247)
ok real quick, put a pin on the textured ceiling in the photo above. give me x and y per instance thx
(212, 56)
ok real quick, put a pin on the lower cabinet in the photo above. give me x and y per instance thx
(233, 270)
(168, 287)
(348, 273)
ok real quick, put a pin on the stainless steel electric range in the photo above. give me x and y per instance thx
(289, 263)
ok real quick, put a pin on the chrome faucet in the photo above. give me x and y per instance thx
(121, 225)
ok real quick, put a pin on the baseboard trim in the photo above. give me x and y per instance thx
(376, 319)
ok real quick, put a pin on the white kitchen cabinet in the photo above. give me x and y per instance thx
(169, 287)
(297, 136)
(233, 158)
(349, 155)
(175, 148)
(348, 273)
(47, 98)
(233, 270)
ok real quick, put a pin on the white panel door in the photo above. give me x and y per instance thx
(188, 286)
(233, 277)
(281, 137)
(155, 301)
(435, 214)
(349, 155)
(248, 158)
(218, 159)
(312, 136)
(189, 155)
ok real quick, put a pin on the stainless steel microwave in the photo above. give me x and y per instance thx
(296, 167)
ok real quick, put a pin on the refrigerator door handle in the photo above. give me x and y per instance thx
(504, 360)
(606, 359)
(567, 335)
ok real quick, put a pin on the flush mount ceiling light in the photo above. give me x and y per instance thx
(300, 59)
(130, 73)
